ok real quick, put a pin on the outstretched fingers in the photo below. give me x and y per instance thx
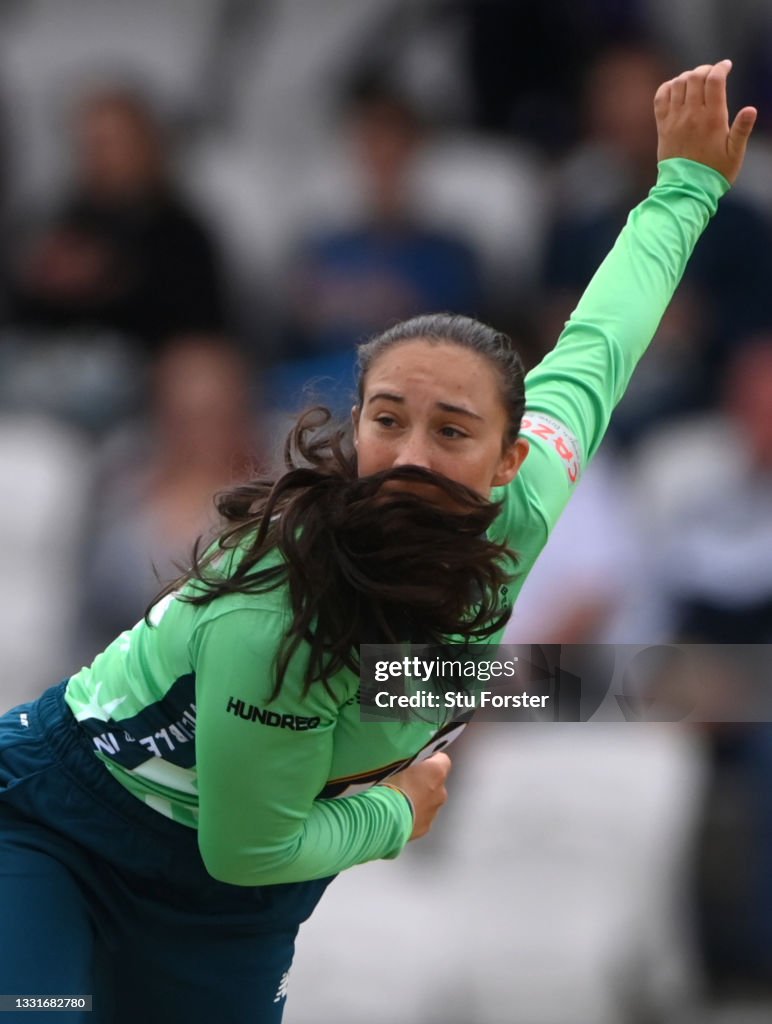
(715, 87)
(704, 85)
(693, 120)
(695, 85)
(662, 99)
(678, 90)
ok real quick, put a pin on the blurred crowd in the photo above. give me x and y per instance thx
(202, 214)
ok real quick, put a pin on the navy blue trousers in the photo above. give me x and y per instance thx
(103, 896)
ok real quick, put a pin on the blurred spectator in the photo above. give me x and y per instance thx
(724, 294)
(354, 281)
(155, 496)
(708, 494)
(574, 593)
(706, 486)
(4, 193)
(731, 886)
(124, 251)
(45, 471)
(529, 95)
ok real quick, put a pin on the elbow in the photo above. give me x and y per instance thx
(223, 867)
(248, 868)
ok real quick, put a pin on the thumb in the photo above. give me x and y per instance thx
(741, 129)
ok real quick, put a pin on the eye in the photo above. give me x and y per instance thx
(452, 432)
(385, 420)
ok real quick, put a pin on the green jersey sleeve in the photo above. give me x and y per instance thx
(571, 394)
(260, 822)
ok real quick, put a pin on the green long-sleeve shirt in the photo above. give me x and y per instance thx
(179, 710)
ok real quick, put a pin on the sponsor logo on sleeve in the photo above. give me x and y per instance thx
(558, 436)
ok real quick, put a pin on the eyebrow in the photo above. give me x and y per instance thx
(445, 406)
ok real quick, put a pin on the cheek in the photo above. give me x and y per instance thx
(473, 467)
(371, 454)
(489, 468)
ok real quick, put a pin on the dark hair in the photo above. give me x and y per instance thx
(374, 93)
(363, 562)
(492, 345)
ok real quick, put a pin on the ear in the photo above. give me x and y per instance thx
(355, 414)
(510, 462)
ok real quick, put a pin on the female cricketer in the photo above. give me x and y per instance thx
(171, 813)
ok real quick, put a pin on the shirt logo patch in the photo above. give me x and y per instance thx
(557, 434)
(252, 713)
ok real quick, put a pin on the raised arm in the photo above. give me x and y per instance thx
(571, 394)
(584, 377)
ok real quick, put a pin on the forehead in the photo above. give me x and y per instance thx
(438, 366)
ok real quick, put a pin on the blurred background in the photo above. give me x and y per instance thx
(204, 206)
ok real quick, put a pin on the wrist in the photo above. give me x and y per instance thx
(677, 169)
(411, 805)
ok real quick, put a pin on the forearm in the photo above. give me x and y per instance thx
(583, 378)
(336, 834)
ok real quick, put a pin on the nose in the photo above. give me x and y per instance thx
(414, 451)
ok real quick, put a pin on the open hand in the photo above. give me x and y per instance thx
(693, 120)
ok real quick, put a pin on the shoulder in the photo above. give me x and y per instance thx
(533, 501)
(267, 613)
(238, 613)
(241, 637)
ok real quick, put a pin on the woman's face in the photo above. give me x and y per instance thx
(436, 405)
